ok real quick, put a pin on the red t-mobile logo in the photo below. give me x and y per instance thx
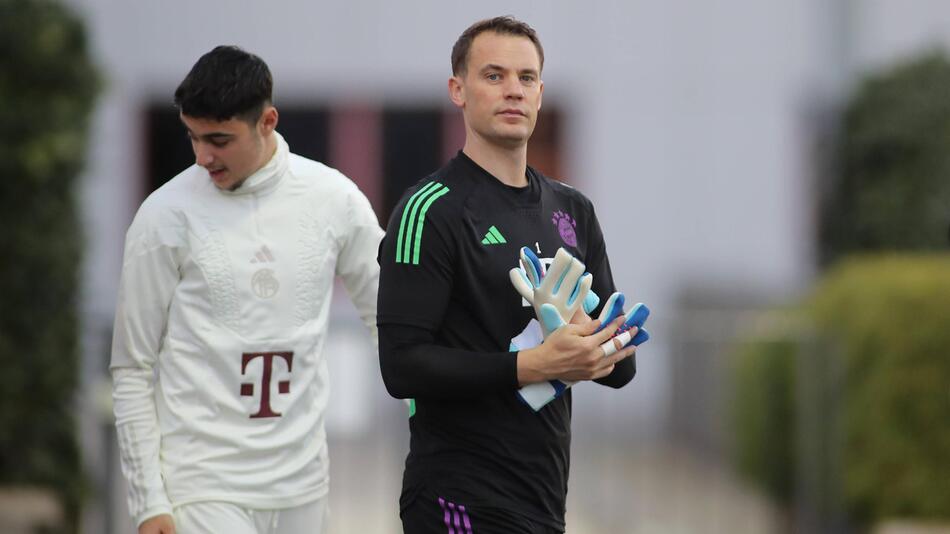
(283, 386)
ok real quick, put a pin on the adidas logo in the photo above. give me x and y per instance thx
(493, 237)
(263, 255)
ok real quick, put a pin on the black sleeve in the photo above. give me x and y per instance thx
(414, 366)
(417, 271)
(599, 266)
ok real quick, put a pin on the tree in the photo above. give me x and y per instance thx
(891, 191)
(47, 87)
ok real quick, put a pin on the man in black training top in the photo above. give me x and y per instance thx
(480, 460)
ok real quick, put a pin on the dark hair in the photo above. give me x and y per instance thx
(226, 83)
(504, 25)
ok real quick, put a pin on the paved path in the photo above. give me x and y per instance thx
(614, 489)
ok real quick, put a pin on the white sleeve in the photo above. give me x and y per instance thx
(356, 263)
(149, 276)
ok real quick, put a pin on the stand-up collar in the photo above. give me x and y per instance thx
(268, 176)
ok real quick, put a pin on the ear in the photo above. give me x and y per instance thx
(268, 121)
(457, 91)
(540, 94)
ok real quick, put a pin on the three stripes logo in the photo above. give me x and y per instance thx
(493, 237)
(263, 255)
(413, 221)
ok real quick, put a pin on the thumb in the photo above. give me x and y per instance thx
(588, 328)
(519, 280)
(550, 319)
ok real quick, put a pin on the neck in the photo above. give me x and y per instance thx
(270, 148)
(508, 165)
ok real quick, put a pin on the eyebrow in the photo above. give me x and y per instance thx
(210, 136)
(493, 66)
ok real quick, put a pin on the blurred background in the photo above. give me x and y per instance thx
(772, 178)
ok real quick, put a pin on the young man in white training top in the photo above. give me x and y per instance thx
(219, 375)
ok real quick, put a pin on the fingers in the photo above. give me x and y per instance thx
(559, 268)
(579, 295)
(569, 283)
(613, 345)
(565, 287)
(521, 284)
(607, 331)
(604, 371)
(591, 301)
(553, 273)
(532, 267)
(638, 314)
(613, 308)
(580, 317)
(609, 362)
(589, 328)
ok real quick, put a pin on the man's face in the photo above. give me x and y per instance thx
(500, 92)
(230, 150)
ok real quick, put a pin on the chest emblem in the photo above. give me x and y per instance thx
(263, 282)
(565, 227)
(493, 237)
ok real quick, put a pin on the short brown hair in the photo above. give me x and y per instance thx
(507, 25)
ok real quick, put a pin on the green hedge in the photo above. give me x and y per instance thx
(881, 342)
(890, 189)
(765, 406)
(47, 87)
(891, 319)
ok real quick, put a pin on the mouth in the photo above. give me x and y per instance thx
(217, 174)
(511, 112)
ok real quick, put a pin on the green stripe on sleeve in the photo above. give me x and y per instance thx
(410, 207)
(419, 225)
(413, 226)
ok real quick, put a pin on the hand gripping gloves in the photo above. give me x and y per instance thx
(556, 297)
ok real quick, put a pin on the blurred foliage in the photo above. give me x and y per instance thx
(47, 86)
(888, 317)
(891, 188)
(882, 348)
(765, 394)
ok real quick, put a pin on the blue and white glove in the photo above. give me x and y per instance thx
(531, 278)
(565, 288)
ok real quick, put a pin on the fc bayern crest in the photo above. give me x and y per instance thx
(566, 227)
(264, 283)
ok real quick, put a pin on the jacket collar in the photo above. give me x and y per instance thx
(268, 176)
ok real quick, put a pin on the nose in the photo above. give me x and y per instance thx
(203, 154)
(513, 88)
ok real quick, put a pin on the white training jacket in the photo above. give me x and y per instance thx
(219, 377)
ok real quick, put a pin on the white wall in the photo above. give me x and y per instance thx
(688, 122)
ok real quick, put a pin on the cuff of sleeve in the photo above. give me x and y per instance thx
(511, 369)
(151, 512)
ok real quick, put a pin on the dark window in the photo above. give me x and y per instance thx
(169, 151)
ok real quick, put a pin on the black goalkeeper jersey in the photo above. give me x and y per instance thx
(447, 315)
